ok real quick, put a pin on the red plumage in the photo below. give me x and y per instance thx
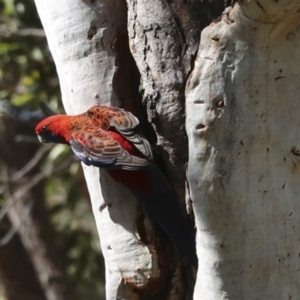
(65, 126)
(108, 137)
(135, 179)
(58, 124)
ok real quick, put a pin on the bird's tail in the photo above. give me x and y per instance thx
(162, 203)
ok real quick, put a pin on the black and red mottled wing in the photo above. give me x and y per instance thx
(124, 122)
(98, 148)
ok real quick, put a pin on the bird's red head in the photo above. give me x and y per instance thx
(53, 129)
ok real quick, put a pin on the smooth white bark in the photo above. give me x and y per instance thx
(81, 36)
(244, 138)
(243, 129)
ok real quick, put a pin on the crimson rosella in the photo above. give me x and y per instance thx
(108, 137)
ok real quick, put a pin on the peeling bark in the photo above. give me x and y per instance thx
(243, 162)
(95, 66)
(243, 129)
(164, 45)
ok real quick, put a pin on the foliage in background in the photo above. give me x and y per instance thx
(27, 77)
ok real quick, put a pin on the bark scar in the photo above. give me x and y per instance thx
(260, 6)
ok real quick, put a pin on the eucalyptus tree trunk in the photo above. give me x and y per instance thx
(243, 123)
(242, 168)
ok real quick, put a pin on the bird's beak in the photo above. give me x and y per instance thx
(41, 139)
